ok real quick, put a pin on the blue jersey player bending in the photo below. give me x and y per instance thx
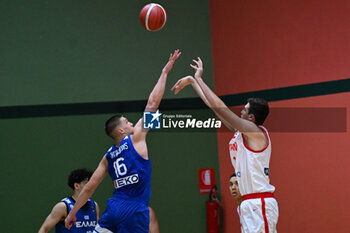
(87, 216)
(128, 165)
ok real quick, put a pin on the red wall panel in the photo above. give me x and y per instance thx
(269, 44)
(260, 45)
(310, 172)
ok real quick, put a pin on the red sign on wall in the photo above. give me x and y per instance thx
(206, 178)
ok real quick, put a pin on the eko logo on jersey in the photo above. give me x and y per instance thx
(133, 179)
(121, 170)
(151, 120)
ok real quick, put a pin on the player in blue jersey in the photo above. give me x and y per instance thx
(128, 164)
(87, 216)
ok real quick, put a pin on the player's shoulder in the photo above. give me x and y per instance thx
(236, 133)
(263, 129)
(60, 209)
(264, 132)
(60, 204)
(259, 131)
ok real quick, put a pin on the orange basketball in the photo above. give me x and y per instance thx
(153, 17)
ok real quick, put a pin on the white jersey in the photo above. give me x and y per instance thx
(240, 218)
(251, 167)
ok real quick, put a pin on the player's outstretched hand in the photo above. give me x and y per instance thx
(69, 220)
(171, 61)
(198, 68)
(181, 83)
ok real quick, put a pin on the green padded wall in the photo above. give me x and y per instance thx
(56, 52)
(90, 51)
(38, 154)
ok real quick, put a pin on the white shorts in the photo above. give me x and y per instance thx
(99, 229)
(259, 215)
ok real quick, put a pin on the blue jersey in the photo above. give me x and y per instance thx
(131, 174)
(127, 211)
(86, 218)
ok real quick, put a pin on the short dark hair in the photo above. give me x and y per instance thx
(259, 108)
(78, 175)
(233, 175)
(111, 124)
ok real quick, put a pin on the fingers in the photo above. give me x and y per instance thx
(199, 63)
(194, 67)
(68, 225)
(178, 89)
(176, 85)
(176, 55)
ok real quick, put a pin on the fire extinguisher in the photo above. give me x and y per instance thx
(213, 212)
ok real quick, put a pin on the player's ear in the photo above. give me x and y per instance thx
(76, 186)
(251, 117)
(120, 130)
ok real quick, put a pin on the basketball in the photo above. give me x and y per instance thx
(153, 17)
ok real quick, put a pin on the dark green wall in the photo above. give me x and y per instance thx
(38, 154)
(90, 51)
(55, 52)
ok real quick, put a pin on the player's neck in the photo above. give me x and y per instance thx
(118, 139)
(75, 196)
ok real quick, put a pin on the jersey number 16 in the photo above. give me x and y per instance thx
(119, 167)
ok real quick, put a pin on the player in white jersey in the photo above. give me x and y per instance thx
(250, 152)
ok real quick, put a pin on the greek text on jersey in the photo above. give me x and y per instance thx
(85, 224)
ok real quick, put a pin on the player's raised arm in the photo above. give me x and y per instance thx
(189, 80)
(139, 136)
(157, 93)
(230, 119)
(87, 191)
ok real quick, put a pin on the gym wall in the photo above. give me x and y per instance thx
(64, 66)
(296, 54)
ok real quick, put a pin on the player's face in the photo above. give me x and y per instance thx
(234, 189)
(127, 126)
(245, 111)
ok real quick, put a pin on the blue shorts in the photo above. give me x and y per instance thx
(123, 216)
